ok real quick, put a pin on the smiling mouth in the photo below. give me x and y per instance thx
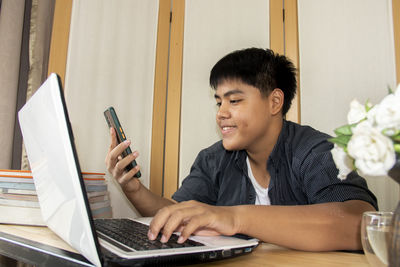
(227, 129)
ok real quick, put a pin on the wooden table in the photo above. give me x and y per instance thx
(264, 255)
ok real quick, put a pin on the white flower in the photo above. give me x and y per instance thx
(386, 115)
(397, 91)
(357, 112)
(343, 161)
(372, 151)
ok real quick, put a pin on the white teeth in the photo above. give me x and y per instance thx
(226, 128)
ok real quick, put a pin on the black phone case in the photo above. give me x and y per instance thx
(112, 121)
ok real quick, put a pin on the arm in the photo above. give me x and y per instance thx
(318, 227)
(146, 202)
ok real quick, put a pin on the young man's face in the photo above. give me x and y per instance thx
(243, 116)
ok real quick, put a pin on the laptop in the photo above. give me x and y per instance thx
(52, 155)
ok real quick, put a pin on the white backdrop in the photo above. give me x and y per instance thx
(111, 62)
(212, 30)
(346, 52)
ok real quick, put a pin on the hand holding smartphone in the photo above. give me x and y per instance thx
(112, 121)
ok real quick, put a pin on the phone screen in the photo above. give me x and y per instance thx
(112, 121)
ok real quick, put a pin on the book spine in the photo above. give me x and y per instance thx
(24, 186)
(16, 180)
(98, 198)
(95, 194)
(21, 215)
(96, 212)
(92, 188)
(19, 197)
(19, 203)
(99, 205)
(17, 191)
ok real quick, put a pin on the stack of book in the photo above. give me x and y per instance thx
(19, 202)
(96, 189)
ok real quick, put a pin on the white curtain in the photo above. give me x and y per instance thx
(346, 52)
(110, 62)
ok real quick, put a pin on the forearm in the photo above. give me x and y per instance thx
(146, 202)
(320, 227)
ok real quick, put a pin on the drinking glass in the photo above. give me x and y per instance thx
(375, 231)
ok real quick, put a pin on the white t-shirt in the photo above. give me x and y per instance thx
(262, 197)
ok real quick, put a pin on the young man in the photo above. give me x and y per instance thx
(284, 168)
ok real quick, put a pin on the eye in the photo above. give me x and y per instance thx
(218, 104)
(235, 101)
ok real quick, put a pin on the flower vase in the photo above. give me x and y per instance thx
(394, 240)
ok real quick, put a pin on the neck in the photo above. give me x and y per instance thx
(259, 154)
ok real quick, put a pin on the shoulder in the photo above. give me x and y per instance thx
(303, 138)
(303, 145)
(217, 147)
(216, 150)
(216, 158)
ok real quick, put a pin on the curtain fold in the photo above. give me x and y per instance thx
(22, 85)
(39, 48)
(11, 25)
(25, 30)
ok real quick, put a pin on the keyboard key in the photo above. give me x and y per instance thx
(134, 235)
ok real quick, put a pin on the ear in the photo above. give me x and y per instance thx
(277, 97)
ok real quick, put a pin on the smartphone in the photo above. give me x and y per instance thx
(112, 121)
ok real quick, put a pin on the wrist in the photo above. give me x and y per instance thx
(237, 212)
(132, 187)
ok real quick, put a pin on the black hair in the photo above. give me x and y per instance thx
(261, 68)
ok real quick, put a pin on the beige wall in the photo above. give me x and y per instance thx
(110, 62)
(212, 30)
(346, 52)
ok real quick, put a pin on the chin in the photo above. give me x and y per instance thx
(230, 146)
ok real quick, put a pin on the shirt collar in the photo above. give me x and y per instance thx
(240, 156)
(240, 159)
(278, 149)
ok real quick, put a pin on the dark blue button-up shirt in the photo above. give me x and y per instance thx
(301, 168)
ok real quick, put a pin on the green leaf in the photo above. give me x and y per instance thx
(390, 91)
(341, 140)
(396, 136)
(344, 130)
(368, 106)
(397, 148)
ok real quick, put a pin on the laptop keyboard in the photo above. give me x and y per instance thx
(134, 235)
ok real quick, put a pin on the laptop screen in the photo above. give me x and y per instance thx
(57, 176)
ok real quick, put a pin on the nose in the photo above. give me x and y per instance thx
(223, 111)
